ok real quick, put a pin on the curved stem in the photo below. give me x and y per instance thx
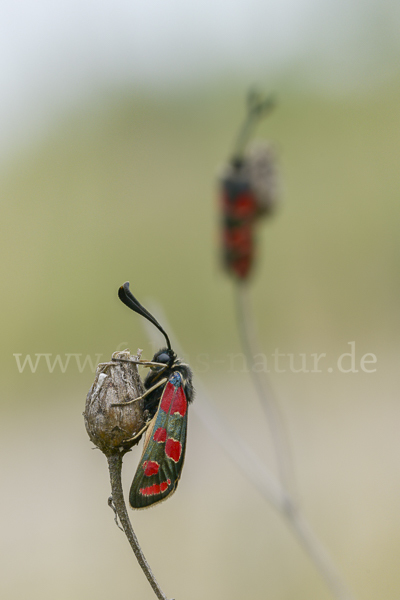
(257, 107)
(251, 348)
(290, 509)
(115, 468)
(319, 556)
(263, 480)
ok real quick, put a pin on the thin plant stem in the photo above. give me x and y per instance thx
(240, 453)
(251, 348)
(319, 556)
(262, 479)
(115, 468)
(257, 107)
(271, 490)
(300, 526)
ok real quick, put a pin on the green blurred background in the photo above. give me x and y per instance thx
(121, 185)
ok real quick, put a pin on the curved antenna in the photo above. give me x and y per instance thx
(126, 296)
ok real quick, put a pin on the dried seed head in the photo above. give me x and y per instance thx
(260, 163)
(110, 427)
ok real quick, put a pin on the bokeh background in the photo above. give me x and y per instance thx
(115, 119)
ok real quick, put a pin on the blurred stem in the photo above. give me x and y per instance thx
(319, 555)
(254, 470)
(251, 348)
(257, 107)
(289, 508)
(115, 468)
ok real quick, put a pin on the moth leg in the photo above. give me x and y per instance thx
(147, 392)
(138, 434)
(141, 363)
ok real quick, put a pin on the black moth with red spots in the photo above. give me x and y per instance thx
(246, 193)
(169, 390)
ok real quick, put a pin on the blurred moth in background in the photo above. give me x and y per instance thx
(248, 191)
(168, 391)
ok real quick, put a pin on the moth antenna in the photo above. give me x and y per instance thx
(126, 296)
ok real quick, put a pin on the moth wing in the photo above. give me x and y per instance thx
(161, 463)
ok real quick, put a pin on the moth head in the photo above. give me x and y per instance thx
(165, 356)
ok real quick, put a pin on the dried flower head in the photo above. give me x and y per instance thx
(113, 428)
(260, 163)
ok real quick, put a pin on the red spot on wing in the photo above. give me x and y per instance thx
(179, 404)
(244, 206)
(239, 249)
(150, 467)
(164, 485)
(160, 435)
(239, 239)
(155, 489)
(167, 397)
(173, 449)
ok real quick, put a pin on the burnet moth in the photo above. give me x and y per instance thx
(169, 391)
(247, 192)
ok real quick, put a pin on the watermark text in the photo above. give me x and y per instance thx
(277, 361)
